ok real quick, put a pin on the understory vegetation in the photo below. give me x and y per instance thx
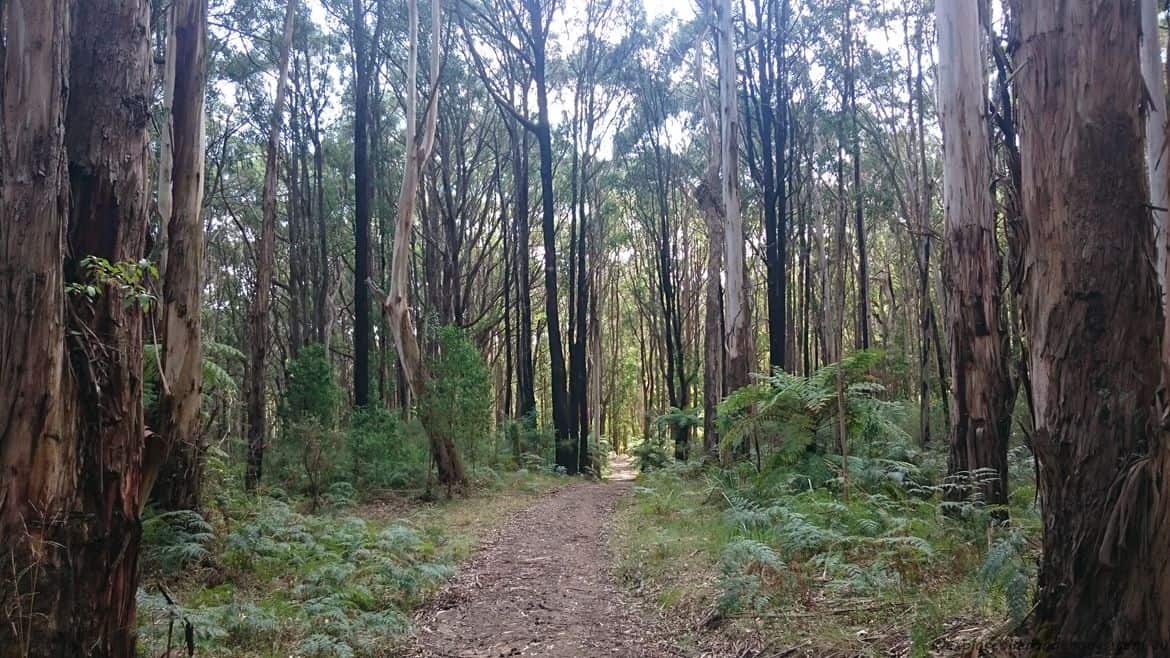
(343, 537)
(801, 549)
(263, 576)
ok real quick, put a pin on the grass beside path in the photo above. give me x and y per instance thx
(265, 578)
(789, 570)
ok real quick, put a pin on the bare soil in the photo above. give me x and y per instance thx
(542, 586)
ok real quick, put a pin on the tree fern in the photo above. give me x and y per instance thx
(796, 410)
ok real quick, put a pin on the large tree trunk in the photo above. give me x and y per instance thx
(73, 434)
(180, 480)
(982, 397)
(1090, 301)
(566, 452)
(736, 313)
(266, 254)
(38, 478)
(397, 304)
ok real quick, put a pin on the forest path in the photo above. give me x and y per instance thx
(542, 587)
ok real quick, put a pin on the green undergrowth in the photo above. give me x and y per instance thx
(784, 556)
(265, 577)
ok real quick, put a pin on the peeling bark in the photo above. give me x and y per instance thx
(982, 395)
(71, 420)
(1090, 303)
(736, 300)
(180, 480)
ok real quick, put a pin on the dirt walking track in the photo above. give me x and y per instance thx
(542, 587)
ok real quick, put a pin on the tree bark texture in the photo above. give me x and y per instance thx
(982, 394)
(1090, 303)
(1153, 74)
(71, 422)
(180, 480)
(736, 326)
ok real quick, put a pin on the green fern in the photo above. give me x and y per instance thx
(797, 410)
(1007, 572)
(172, 541)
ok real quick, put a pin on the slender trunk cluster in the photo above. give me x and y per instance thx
(266, 261)
(767, 96)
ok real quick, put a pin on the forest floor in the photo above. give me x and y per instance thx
(543, 586)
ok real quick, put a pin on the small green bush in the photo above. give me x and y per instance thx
(653, 453)
(385, 451)
(458, 399)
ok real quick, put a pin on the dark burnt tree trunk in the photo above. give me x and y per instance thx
(361, 221)
(508, 407)
(71, 418)
(766, 100)
(863, 338)
(567, 448)
(578, 305)
(1091, 307)
(525, 365)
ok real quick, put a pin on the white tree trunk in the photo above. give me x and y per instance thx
(418, 151)
(980, 405)
(397, 303)
(735, 298)
(1153, 75)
